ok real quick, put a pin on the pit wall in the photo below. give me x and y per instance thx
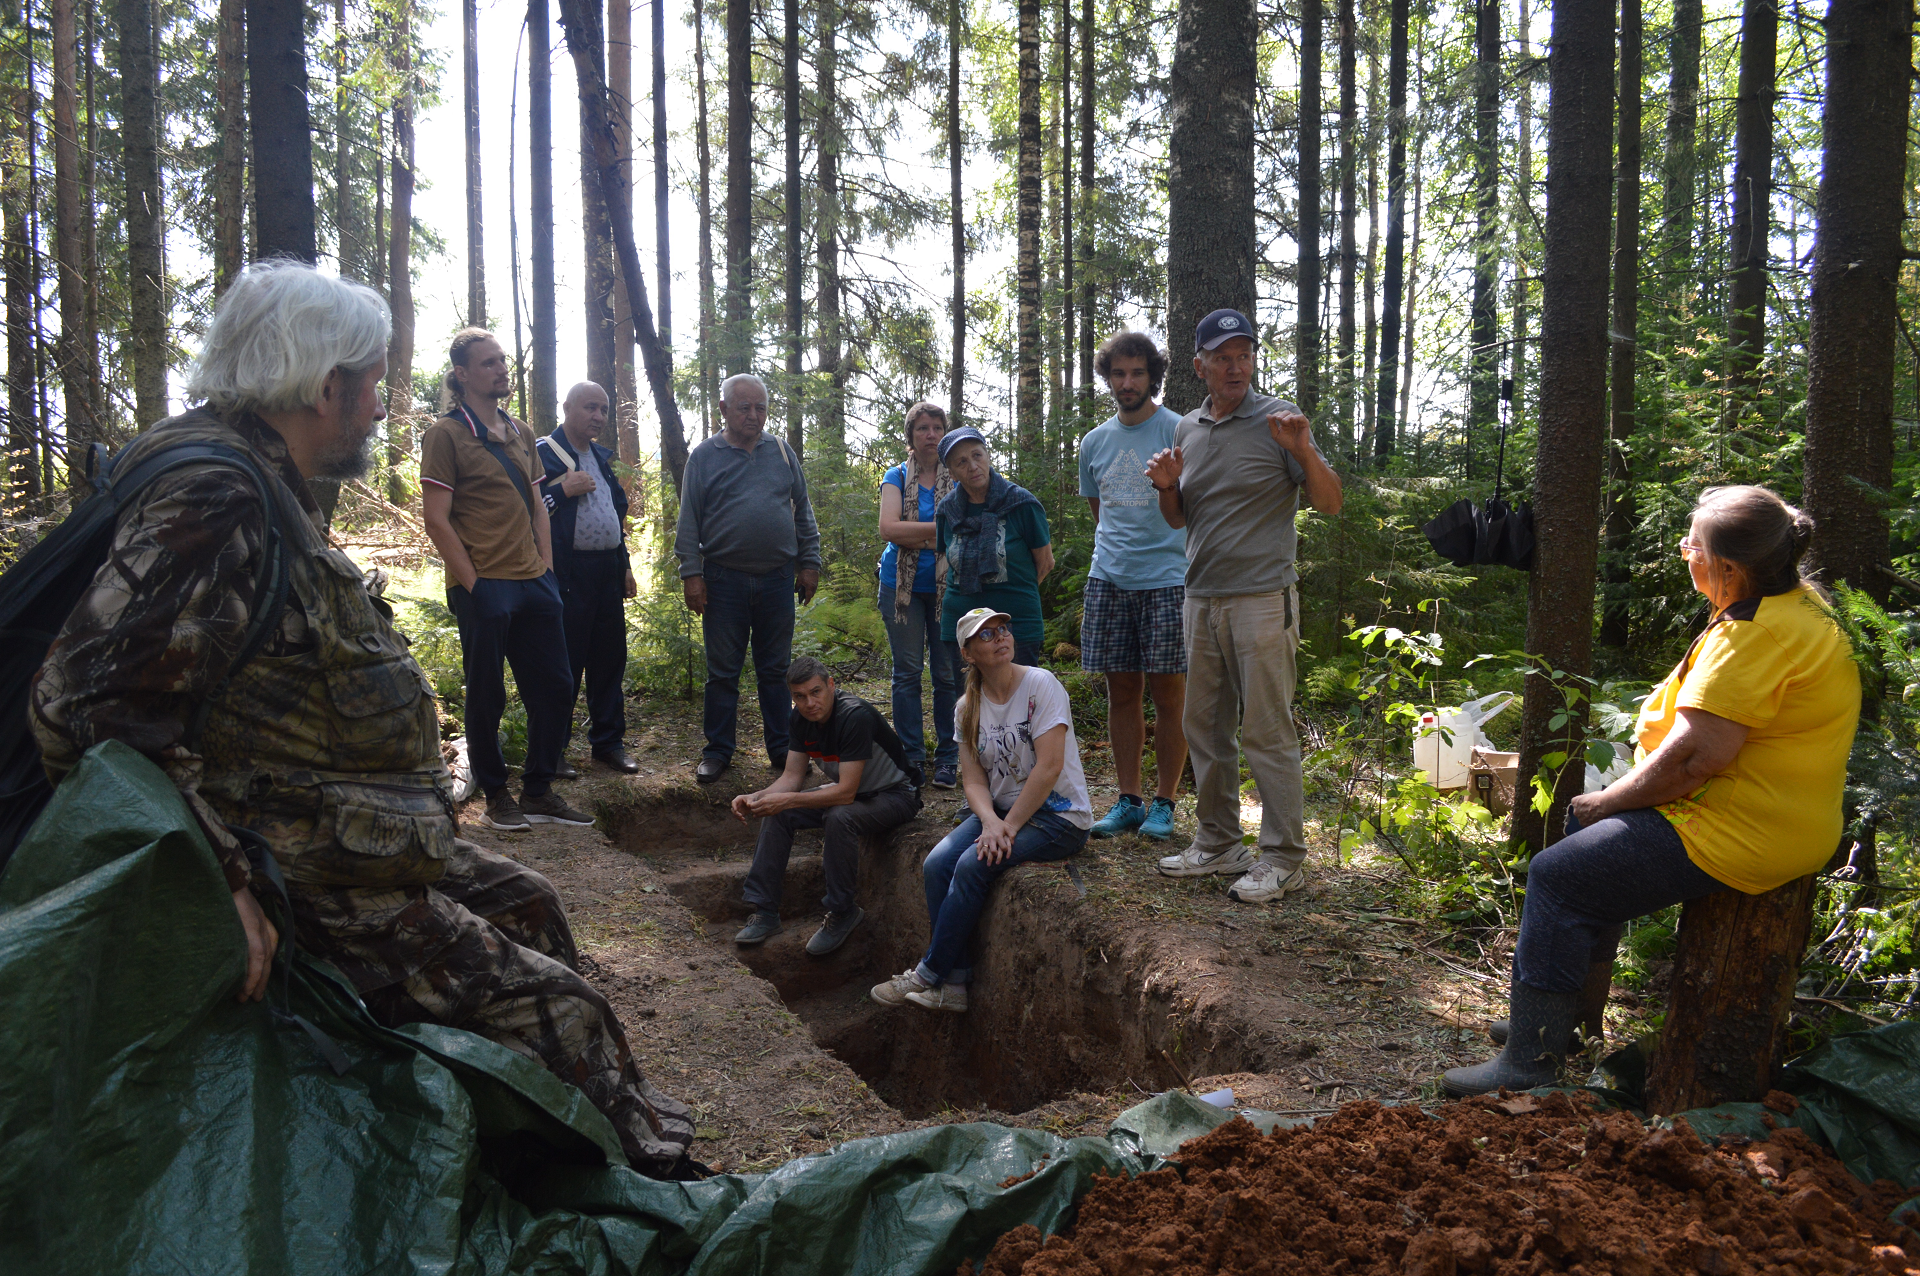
(1064, 997)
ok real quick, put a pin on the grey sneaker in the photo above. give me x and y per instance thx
(834, 931)
(946, 997)
(1193, 862)
(896, 990)
(503, 813)
(551, 808)
(1264, 884)
(759, 929)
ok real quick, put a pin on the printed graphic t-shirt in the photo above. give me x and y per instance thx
(1133, 548)
(851, 733)
(923, 582)
(1780, 667)
(1038, 704)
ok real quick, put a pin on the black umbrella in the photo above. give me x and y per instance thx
(1497, 532)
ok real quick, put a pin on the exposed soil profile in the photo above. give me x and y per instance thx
(1495, 1186)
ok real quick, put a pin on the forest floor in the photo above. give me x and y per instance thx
(1299, 1007)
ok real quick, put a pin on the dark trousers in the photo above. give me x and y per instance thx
(593, 590)
(517, 622)
(743, 608)
(844, 825)
(1582, 890)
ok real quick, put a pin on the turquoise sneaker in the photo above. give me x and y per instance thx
(1159, 822)
(1123, 816)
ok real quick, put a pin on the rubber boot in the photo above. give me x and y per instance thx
(1536, 1017)
(1593, 1008)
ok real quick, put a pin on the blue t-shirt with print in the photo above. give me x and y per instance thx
(1133, 548)
(890, 556)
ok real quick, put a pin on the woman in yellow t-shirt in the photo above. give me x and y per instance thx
(1737, 782)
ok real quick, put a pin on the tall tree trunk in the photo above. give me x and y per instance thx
(470, 104)
(1029, 403)
(1088, 138)
(662, 184)
(400, 260)
(1856, 267)
(1349, 252)
(23, 471)
(69, 240)
(790, 106)
(623, 422)
(956, 211)
(1625, 332)
(1523, 207)
(146, 273)
(833, 410)
(704, 155)
(230, 163)
(1572, 415)
(1411, 307)
(737, 353)
(1683, 125)
(345, 248)
(1370, 361)
(282, 129)
(1306, 345)
(1210, 220)
(377, 233)
(1752, 196)
(1484, 374)
(597, 259)
(1069, 299)
(513, 228)
(581, 20)
(542, 381)
(1383, 431)
(90, 227)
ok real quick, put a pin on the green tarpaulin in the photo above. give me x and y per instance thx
(150, 1124)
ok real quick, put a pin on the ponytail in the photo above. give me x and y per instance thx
(970, 704)
(451, 391)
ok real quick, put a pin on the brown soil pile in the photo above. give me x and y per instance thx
(1495, 1186)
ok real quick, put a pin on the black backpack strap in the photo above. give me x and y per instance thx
(267, 869)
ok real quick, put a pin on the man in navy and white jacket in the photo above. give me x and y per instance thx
(588, 509)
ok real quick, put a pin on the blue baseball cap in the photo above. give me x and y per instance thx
(959, 434)
(1221, 326)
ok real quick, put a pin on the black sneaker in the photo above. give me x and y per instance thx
(551, 808)
(834, 931)
(503, 813)
(946, 776)
(759, 929)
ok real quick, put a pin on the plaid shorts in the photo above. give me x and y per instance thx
(1132, 630)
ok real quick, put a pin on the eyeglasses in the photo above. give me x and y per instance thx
(1688, 545)
(993, 633)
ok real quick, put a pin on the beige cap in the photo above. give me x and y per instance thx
(971, 623)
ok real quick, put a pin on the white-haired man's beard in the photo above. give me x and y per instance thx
(346, 458)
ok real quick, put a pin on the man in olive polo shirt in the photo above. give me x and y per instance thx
(1233, 479)
(478, 473)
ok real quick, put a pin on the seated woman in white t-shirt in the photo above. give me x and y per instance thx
(1023, 782)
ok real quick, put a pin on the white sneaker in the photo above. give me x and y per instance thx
(1194, 862)
(894, 991)
(1264, 885)
(946, 997)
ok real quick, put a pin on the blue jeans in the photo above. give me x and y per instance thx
(917, 644)
(743, 607)
(957, 884)
(1582, 890)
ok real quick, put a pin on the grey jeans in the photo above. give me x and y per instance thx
(1240, 678)
(844, 825)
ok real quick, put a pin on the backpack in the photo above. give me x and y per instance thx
(41, 590)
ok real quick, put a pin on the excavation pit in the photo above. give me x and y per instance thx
(1063, 999)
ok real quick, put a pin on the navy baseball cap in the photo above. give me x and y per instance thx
(1221, 326)
(959, 434)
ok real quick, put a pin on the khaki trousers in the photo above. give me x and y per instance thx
(1240, 677)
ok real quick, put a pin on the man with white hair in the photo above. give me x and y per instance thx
(747, 543)
(326, 746)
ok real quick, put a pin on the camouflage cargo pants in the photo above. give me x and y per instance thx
(487, 948)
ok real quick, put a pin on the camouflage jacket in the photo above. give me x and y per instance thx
(327, 742)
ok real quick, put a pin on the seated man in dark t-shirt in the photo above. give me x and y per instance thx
(872, 788)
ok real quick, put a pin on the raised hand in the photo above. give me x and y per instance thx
(1164, 470)
(1292, 432)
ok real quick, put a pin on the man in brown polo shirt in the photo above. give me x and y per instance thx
(478, 474)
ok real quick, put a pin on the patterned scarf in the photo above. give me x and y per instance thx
(910, 513)
(976, 533)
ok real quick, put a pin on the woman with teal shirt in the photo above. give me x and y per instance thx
(994, 537)
(912, 614)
